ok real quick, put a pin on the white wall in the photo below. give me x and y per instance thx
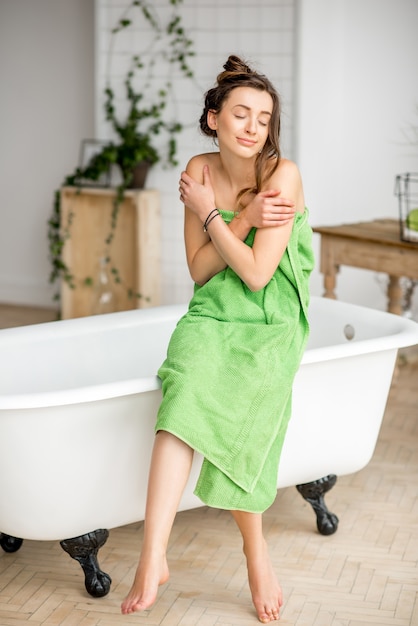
(46, 108)
(357, 96)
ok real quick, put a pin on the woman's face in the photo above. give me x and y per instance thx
(242, 124)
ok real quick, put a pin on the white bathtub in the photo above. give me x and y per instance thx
(78, 400)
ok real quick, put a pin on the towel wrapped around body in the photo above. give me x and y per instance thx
(227, 379)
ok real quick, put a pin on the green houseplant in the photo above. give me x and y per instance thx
(137, 135)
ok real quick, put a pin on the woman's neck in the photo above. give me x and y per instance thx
(229, 178)
(239, 173)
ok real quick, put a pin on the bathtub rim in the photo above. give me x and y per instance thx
(404, 333)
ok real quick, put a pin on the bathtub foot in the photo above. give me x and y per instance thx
(9, 543)
(326, 522)
(84, 549)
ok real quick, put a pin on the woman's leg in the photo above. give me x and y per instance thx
(170, 468)
(265, 589)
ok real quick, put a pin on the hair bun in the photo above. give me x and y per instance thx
(233, 68)
(236, 65)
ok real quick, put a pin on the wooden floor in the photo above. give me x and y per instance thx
(367, 573)
(12, 315)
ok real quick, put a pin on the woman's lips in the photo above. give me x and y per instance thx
(246, 142)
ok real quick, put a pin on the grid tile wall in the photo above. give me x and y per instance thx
(261, 32)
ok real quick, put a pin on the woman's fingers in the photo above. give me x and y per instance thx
(280, 210)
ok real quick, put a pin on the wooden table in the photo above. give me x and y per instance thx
(375, 246)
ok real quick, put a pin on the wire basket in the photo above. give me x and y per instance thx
(406, 189)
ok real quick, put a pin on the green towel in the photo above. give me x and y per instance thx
(227, 379)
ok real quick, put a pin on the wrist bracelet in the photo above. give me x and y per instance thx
(209, 218)
(205, 228)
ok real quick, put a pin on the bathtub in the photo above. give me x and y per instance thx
(78, 400)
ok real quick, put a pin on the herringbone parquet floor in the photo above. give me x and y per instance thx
(367, 573)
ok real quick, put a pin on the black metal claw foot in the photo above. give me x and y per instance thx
(84, 549)
(326, 522)
(9, 543)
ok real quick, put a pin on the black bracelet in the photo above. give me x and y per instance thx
(205, 228)
(209, 219)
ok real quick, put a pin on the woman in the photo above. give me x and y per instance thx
(231, 361)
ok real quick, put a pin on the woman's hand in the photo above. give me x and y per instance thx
(199, 197)
(268, 209)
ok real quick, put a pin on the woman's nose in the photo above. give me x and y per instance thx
(250, 127)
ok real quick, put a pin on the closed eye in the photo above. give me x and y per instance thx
(242, 117)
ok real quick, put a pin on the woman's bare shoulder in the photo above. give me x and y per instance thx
(288, 168)
(287, 171)
(195, 165)
(288, 180)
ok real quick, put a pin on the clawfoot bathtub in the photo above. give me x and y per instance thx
(78, 400)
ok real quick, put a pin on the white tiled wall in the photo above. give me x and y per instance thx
(261, 32)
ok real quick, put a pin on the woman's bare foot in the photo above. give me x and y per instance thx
(265, 589)
(151, 573)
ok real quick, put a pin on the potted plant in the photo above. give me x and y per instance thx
(134, 147)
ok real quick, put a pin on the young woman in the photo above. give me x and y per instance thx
(231, 361)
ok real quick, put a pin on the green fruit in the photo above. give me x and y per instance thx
(412, 219)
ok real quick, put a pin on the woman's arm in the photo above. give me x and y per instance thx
(266, 209)
(256, 265)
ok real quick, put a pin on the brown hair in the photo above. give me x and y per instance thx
(238, 74)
